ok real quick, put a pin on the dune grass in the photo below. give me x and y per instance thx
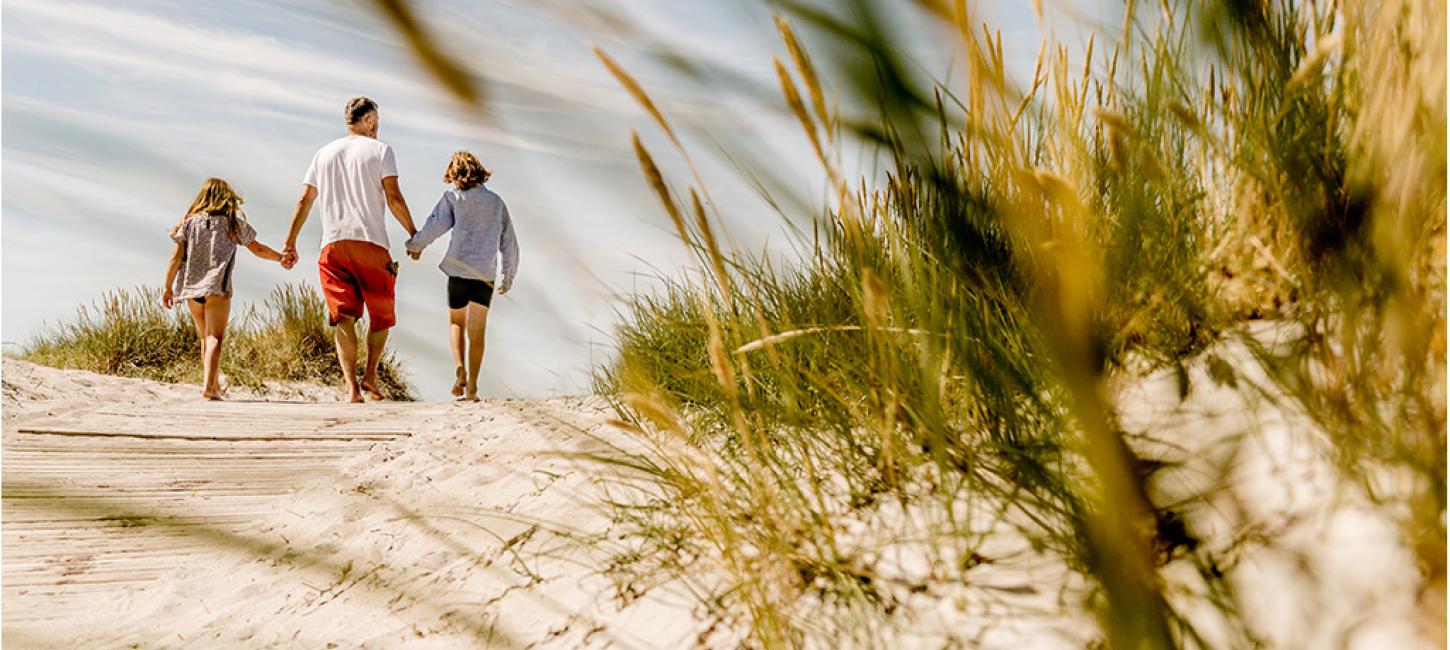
(939, 362)
(951, 339)
(129, 333)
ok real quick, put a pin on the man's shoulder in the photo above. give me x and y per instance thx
(354, 145)
(375, 152)
(371, 145)
(333, 145)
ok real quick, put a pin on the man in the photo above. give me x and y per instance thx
(352, 179)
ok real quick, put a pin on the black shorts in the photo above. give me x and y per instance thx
(462, 291)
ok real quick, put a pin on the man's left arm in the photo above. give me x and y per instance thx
(397, 205)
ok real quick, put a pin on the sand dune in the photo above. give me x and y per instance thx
(137, 514)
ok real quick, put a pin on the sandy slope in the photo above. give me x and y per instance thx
(1311, 560)
(291, 520)
(387, 525)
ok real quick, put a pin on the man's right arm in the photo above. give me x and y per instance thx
(299, 217)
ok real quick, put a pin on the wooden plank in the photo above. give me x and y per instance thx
(201, 466)
(350, 435)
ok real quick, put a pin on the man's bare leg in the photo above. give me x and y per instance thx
(477, 323)
(345, 333)
(376, 341)
(457, 321)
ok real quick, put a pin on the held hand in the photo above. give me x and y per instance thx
(168, 298)
(289, 257)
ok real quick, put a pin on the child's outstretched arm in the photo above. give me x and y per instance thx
(264, 251)
(172, 268)
(439, 222)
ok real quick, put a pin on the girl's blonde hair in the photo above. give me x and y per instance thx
(217, 197)
(465, 170)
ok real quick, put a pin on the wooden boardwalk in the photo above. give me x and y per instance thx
(101, 499)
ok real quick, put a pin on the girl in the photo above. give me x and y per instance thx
(200, 272)
(483, 240)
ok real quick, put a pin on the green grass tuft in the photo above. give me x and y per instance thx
(129, 333)
(950, 340)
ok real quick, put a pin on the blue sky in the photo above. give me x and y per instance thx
(114, 112)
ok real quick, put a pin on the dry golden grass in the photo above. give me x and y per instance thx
(952, 337)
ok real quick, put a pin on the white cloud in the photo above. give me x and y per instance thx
(114, 115)
(238, 72)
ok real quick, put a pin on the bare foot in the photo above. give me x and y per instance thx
(354, 395)
(472, 396)
(213, 395)
(371, 387)
(460, 382)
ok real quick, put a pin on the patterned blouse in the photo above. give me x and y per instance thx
(211, 253)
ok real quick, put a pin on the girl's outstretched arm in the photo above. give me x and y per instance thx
(264, 251)
(172, 267)
(439, 222)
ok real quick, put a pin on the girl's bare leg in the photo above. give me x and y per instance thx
(198, 317)
(457, 321)
(477, 323)
(216, 309)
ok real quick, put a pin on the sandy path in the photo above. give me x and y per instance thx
(137, 514)
(111, 496)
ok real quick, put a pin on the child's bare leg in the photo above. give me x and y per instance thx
(216, 310)
(477, 323)
(345, 334)
(457, 321)
(198, 318)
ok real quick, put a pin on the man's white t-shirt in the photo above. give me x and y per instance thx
(348, 174)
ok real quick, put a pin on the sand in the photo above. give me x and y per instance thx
(139, 515)
(1313, 561)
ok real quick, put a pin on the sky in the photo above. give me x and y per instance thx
(112, 112)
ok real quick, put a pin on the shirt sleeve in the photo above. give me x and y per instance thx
(246, 234)
(390, 164)
(508, 245)
(178, 232)
(310, 178)
(439, 222)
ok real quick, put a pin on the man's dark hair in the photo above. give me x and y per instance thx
(358, 108)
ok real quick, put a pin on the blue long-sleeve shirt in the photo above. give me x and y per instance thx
(483, 236)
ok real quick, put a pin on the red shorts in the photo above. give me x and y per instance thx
(357, 274)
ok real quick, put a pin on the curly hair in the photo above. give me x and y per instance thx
(465, 170)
